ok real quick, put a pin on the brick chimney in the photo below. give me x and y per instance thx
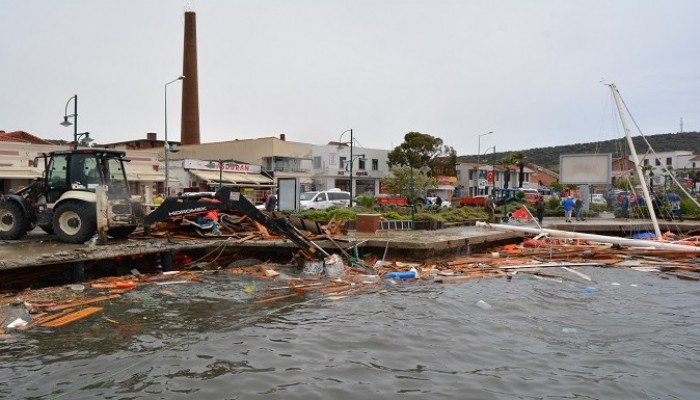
(189, 133)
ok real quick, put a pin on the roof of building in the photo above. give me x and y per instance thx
(21, 137)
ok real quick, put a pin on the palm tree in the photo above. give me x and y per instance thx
(519, 159)
(507, 161)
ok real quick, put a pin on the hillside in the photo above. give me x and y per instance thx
(548, 157)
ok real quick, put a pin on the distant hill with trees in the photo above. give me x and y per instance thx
(548, 157)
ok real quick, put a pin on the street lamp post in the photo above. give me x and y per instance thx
(340, 146)
(167, 145)
(478, 159)
(493, 188)
(478, 152)
(221, 174)
(75, 118)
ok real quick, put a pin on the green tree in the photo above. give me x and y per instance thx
(419, 148)
(399, 182)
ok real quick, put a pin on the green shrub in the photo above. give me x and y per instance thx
(598, 207)
(553, 203)
(429, 216)
(316, 215)
(342, 214)
(396, 215)
(365, 201)
(689, 209)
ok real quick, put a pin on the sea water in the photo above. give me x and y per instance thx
(537, 339)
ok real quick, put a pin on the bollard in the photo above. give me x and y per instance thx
(78, 272)
(166, 261)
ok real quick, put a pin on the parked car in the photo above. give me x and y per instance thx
(599, 199)
(324, 199)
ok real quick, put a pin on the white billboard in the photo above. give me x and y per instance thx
(582, 169)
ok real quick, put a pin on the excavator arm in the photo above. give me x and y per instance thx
(228, 200)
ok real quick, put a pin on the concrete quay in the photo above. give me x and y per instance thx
(42, 253)
(42, 249)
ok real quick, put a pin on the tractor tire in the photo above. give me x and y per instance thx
(120, 232)
(13, 223)
(74, 222)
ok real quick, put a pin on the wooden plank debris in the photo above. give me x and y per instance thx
(72, 317)
(83, 302)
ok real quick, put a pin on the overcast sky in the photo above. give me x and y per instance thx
(528, 70)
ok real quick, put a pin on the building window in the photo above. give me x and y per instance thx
(317, 162)
(657, 162)
(375, 164)
(646, 162)
(361, 163)
(342, 162)
(669, 161)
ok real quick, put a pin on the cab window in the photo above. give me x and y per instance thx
(321, 197)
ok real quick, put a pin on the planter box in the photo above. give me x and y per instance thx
(367, 223)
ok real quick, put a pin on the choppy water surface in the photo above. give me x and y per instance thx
(635, 336)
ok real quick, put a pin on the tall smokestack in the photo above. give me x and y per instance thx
(189, 133)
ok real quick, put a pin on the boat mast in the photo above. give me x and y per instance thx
(635, 160)
(653, 244)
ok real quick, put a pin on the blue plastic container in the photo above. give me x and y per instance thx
(402, 275)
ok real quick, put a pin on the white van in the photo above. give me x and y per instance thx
(324, 199)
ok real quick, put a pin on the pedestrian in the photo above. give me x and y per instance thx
(624, 206)
(578, 209)
(271, 202)
(438, 202)
(158, 200)
(568, 205)
(676, 209)
(539, 209)
(490, 208)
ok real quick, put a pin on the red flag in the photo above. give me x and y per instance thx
(521, 213)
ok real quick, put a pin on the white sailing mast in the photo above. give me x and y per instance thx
(603, 238)
(635, 160)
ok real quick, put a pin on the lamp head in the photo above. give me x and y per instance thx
(66, 122)
(181, 77)
(87, 139)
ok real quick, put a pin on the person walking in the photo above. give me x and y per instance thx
(490, 208)
(539, 209)
(271, 202)
(568, 205)
(676, 209)
(578, 209)
(624, 206)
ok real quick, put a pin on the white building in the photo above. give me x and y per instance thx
(332, 166)
(672, 160)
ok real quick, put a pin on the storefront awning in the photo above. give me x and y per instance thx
(232, 178)
(19, 173)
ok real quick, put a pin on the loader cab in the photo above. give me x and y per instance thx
(84, 170)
